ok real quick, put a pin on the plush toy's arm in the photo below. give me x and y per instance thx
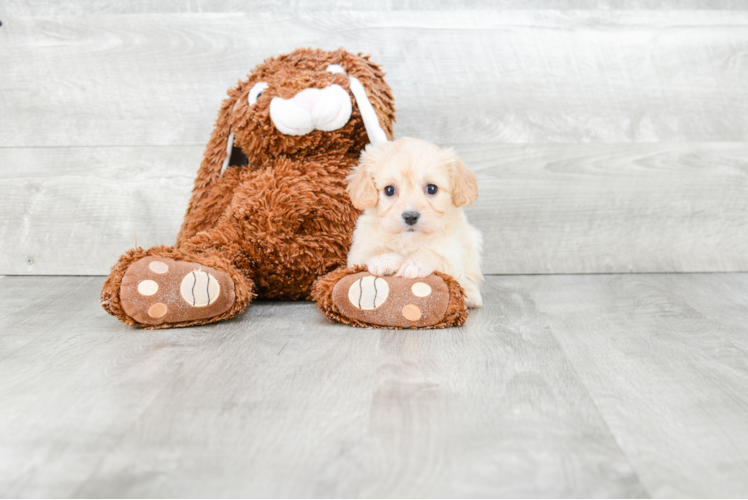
(279, 199)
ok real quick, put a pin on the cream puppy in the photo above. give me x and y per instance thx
(411, 193)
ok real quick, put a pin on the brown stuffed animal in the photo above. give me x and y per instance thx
(269, 212)
(358, 298)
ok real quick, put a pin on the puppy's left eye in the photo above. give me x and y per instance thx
(389, 191)
(431, 189)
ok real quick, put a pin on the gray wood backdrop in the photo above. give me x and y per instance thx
(605, 139)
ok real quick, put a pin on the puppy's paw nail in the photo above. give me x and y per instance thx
(413, 269)
(384, 265)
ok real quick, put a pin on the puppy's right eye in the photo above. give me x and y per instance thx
(389, 191)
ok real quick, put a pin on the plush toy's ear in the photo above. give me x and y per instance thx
(464, 182)
(201, 209)
(221, 141)
(361, 188)
(377, 92)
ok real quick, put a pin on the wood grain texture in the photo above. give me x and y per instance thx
(543, 208)
(56, 7)
(279, 402)
(479, 403)
(611, 208)
(472, 76)
(91, 208)
(664, 358)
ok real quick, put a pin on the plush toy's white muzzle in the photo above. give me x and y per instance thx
(321, 109)
(324, 109)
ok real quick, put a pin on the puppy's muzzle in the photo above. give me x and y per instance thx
(411, 218)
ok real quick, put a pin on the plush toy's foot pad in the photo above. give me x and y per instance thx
(158, 290)
(390, 301)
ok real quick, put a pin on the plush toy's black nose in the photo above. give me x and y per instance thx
(411, 217)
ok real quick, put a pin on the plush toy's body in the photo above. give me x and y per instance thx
(269, 213)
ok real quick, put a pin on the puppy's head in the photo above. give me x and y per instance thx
(412, 184)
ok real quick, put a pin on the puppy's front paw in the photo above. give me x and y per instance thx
(384, 265)
(414, 268)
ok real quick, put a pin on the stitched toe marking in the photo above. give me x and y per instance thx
(199, 289)
(368, 293)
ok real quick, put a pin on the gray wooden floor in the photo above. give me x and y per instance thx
(566, 385)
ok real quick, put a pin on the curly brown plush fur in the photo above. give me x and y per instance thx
(282, 220)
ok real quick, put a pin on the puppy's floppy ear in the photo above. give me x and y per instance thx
(464, 182)
(361, 187)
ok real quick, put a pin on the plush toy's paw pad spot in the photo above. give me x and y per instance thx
(157, 310)
(158, 290)
(158, 267)
(420, 289)
(147, 287)
(200, 289)
(392, 301)
(368, 293)
(411, 312)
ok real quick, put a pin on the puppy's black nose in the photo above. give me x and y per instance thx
(411, 217)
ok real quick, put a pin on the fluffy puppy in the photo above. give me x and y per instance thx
(411, 193)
